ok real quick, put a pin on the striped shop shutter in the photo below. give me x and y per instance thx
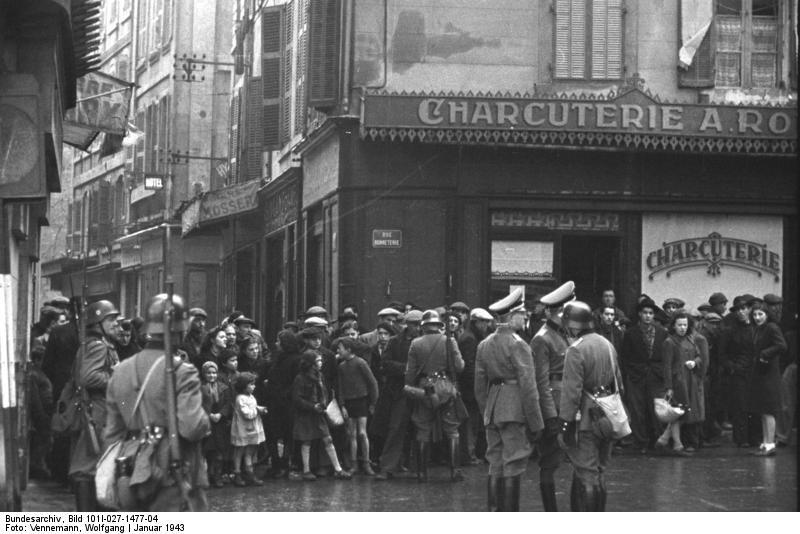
(323, 53)
(272, 23)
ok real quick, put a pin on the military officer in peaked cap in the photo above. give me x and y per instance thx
(548, 346)
(505, 389)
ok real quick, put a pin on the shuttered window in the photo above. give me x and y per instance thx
(300, 75)
(272, 39)
(589, 39)
(233, 147)
(287, 77)
(141, 29)
(105, 215)
(254, 124)
(323, 53)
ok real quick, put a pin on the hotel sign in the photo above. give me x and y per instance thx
(630, 111)
(713, 252)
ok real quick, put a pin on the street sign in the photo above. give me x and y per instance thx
(387, 239)
(153, 183)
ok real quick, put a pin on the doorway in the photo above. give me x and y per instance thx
(593, 263)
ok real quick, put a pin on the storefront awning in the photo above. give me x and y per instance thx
(630, 118)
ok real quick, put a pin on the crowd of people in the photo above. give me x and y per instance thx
(270, 404)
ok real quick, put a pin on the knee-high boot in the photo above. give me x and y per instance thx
(85, 496)
(422, 461)
(511, 493)
(494, 490)
(455, 472)
(576, 495)
(601, 497)
(548, 490)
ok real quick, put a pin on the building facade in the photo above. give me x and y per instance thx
(45, 47)
(177, 53)
(465, 150)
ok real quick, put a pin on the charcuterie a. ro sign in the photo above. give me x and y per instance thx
(713, 252)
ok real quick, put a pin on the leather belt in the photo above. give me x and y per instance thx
(556, 376)
(509, 381)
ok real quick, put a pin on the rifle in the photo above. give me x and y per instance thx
(88, 422)
(176, 462)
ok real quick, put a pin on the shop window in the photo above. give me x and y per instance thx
(522, 260)
(588, 39)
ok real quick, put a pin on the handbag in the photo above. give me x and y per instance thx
(617, 425)
(665, 412)
(333, 413)
(115, 467)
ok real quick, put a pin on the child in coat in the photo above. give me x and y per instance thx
(218, 404)
(309, 401)
(247, 431)
(357, 394)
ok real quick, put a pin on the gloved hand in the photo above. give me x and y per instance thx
(533, 437)
(565, 437)
(551, 427)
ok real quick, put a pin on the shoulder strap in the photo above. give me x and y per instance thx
(613, 362)
(141, 392)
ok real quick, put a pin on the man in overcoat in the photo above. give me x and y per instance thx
(506, 392)
(643, 371)
(429, 355)
(96, 361)
(393, 364)
(193, 422)
(548, 346)
(589, 367)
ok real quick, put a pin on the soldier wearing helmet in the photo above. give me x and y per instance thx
(431, 356)
(193, 422)
(94, 364)
(590, 366)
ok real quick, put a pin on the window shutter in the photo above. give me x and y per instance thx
(606, 39)
(302, 51)
(570, 46)
(701, 72)
(94, 210)
(105, 217)
(323, 53)
(287, 78)
(272, 27)
(233, 147)
(254, 124)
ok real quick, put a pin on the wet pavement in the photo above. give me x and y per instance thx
(722, 479)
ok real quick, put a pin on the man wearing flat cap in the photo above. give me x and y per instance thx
(193, 341)
(549, 345)
(642, 366)
(386, 315)
(506, 392)
(429, 356)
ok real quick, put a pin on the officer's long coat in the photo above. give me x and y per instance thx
(502, 357)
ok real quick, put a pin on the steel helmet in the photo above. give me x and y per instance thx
(577, 315)
(155, 314)
(96, 312)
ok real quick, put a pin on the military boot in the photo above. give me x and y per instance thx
(576, 495)
(85, 496)
(455, 473)
(601, 500)
(494, 492)
(511, 493)
(548, 491)
(422, 461)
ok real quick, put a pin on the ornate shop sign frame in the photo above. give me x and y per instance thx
(628, 118)
(713, 252)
